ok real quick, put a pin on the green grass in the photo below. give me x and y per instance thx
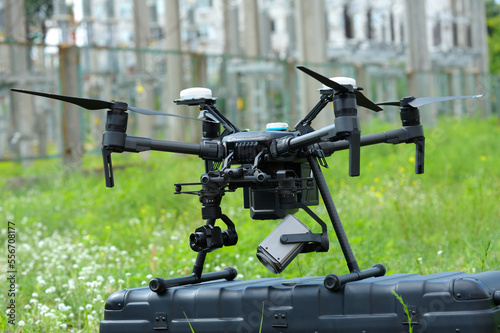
(78, 241)
(405, 307)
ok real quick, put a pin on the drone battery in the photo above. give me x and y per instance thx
(442, 302)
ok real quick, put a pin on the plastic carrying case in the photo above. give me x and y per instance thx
(442, 302)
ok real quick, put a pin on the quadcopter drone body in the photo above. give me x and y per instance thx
(278, 169)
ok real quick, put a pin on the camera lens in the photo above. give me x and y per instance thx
(268, 261)
(198, 241)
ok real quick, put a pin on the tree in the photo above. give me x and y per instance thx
(37, 13)
(493, 22)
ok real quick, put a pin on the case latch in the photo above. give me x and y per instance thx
(160, 321)
(280, 319)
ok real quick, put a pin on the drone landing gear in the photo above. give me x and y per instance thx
(159, 285)
(204, 240)
(334, 282)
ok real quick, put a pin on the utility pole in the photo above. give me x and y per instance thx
(252, 48)
(231, 36)
(143, 84)
(174, 77)
(480, 43)
(21, 105)
(418, 63)
(231, 46)
(71, 131)
(251, 34)
(310, 27)
(61, 15)
(69, 59)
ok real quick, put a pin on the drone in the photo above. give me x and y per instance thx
(279, 170)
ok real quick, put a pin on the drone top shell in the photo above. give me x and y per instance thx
(343, 80)
(196, 93)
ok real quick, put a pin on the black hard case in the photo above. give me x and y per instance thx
(443, 302)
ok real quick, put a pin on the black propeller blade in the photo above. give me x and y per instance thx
(89, 104)
(361, 99)
(95, 104)
(417, 102)
(323, 79)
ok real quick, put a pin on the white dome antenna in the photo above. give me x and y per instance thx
(196, 93)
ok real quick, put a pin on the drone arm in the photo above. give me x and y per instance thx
(289, 144)
(176, 147)
(393, 136)
(406, 134)
(117, 142)
(303, 126)
(120, 142)
(221, 118)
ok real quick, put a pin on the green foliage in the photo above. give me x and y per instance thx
(190, 327)
(400, 299)
(37, 12)
(485, 255)
(79, 241)
(493, 27)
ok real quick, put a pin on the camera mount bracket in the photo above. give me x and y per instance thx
(313, 242)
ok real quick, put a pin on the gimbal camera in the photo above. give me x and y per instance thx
(278, 169)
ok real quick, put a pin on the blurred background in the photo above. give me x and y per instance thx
(246, 51)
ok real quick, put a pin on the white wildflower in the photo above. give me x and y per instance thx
(50, 315)
(50, 290)
(63, 307)
(44, 308)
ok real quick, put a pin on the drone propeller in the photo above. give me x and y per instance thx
(95, 104)
(361, 99)
(417, 102)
